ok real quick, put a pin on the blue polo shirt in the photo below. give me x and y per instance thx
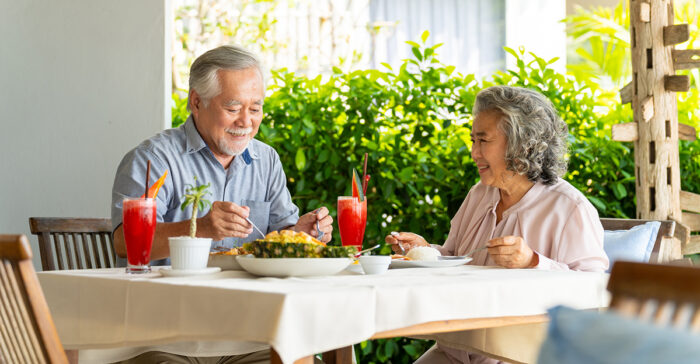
(254, 179)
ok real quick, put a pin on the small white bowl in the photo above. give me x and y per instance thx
(189, 253)
(375, 264)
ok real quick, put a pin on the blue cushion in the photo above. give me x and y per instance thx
(578, 337)
(633, 245)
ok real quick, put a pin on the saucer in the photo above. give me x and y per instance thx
(170, 272)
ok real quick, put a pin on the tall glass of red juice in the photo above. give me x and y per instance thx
(352, 219)
(139, 222)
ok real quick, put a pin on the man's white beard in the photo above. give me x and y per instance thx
(224, 145)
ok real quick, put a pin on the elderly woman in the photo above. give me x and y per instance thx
(521, 209)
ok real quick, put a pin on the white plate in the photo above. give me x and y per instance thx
(225, 262)
(429, 264)
(170, 272)
(288, 267)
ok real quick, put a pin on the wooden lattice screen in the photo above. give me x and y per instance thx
(655, 130)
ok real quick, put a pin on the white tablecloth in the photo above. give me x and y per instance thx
(100, 309)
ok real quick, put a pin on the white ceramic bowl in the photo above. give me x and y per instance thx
(189, 253)
(375, 264)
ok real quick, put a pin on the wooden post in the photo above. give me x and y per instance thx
(655, 111)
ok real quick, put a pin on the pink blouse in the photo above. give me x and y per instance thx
(557, 222)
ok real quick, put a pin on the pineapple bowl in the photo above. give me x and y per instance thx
(293, 244)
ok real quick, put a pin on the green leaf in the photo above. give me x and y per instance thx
(417, 54)
(410, 350)
(406, 174)
(323, 156)
(600, 205)
(413, 44)
(424, 36)
(619, 191)
(300, 159)
(512, 52)
(389, 348)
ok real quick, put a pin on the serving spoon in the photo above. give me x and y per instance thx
(366, 250)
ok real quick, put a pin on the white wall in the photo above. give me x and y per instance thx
(81, 82)
(536, 25)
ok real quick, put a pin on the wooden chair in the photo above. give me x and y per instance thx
(666, 247)
(662, 294)
(74, 243)
(27, 332)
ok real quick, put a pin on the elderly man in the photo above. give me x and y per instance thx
(216, 145)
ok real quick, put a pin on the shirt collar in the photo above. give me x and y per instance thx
(530, 196)
(195, 142)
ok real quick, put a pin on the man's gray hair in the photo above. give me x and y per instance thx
(203, 73)
(537, 137)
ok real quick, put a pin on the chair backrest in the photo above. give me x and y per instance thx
(667, 231)
(74, 243)
(662, 294)
(27, 332)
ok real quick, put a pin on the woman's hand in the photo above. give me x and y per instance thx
(407, 240)
(512, 252)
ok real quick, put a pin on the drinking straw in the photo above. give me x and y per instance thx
(364, 176)
(148, 171)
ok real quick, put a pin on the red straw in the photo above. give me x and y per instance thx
(148, 171)
(364, 176)
(366, 184)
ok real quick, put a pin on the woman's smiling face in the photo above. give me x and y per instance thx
(489, 148)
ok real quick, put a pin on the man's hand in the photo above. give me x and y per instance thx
(307, 224)
(225, 220)
(512, 252)
(407, 240)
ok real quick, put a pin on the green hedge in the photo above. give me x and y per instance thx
(414, 124)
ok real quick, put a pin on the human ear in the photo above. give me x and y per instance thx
(195, 102)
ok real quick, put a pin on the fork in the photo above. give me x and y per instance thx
(474, 251)
(256, 228)
(403, 251)
(319, 233)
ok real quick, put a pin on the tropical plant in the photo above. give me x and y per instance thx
(599, 43)
(194, 195)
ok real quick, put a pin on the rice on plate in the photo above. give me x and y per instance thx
(423, 253)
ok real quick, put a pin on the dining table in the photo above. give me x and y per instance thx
(108, 315)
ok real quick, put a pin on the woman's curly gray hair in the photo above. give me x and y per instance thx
(537, 137)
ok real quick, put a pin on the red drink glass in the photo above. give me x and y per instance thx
(352, 219)
(139, 222)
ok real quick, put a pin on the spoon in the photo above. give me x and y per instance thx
(366, 250)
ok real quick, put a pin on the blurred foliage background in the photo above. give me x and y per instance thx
(414, 123)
